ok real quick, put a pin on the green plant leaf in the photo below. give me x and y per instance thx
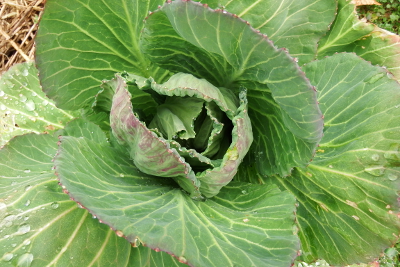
(244, 225)
(146, 257)
(348, 195)
(152, 154)
(275, 149)
(160, 155)
(97, 40)
(346, 29)
(39, 224)
(296, 25)
(24, 108)
(175, 38)
(380, 47)
(176, 117)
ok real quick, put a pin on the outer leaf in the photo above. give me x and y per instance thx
(39, 225)
(98, 38)
(349, 34)
(348, 194)
(254, 58)
(380, 47)
(346, 29)
(24, 107)
(245, 225)
(275, 149)
(146, 257)
(294, 24)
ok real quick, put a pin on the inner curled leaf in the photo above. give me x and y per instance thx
(198, 136)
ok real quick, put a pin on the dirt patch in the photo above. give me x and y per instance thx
(18, 25)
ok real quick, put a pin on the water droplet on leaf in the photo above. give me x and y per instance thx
(30, 105)
(22, 98)
(25, 72)
(8, 221)
(25, 260)
(28, 187)
(7, 256)
(375, 157)
(27, 203)
(3, 210)
(27, 171)
(23, 229)
(54, 205)
(375, 171)
(392, 177)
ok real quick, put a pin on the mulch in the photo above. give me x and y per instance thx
(18, 26)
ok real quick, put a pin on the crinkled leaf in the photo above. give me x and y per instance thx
(176, 116)
(151, 153)
(346, 29)
(213, 180)
(182, 85)
(160, 158)
(245, 225)
(186, 36)
(294, 24)
(211, 131)
(39, 224)
(348, 195)
(24, 107)
(98, 39)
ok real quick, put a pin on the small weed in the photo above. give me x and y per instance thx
(386, 16)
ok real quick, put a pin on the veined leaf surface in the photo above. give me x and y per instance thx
(24, 108)
(244, 225)
(146, 257)
(40, 225)
(348, 210)
(296, 25)
(98, 39)
(380, 47)
(232, 54)
(346, 29)
(350, 34)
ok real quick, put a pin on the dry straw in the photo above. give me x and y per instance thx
(18, 25)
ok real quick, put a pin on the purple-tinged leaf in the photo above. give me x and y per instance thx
(150, 153)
